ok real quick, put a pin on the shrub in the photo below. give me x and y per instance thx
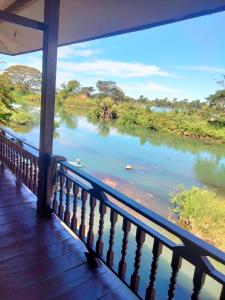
(105, 109)
(32, 99)
(78, 101)
(202, 212)
(21, 118)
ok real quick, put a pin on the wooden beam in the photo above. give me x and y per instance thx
(19, 20)
(50, 41)
(17, 5)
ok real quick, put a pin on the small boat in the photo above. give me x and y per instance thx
(77, 163)
(129, 167)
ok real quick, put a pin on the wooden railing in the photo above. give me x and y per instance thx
(133, 241)
(76, 199)
(20, 158)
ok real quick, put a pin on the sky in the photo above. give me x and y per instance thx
(179, 60)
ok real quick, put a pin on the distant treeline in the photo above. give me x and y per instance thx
(22, 85)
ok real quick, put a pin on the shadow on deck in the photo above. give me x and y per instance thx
(40, 259)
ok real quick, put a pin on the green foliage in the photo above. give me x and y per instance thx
(173, 122)
(202, 212)
(68, 89)
(104, 110)
(25, 79)
(21, 118)
(87, 91)
(5, 114)
(197, 119)
(6, 99)
(78, 101)
(105, 88)
(110, 89)
(217, 100)
(33, 100)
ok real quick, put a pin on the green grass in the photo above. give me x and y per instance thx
(202, 212)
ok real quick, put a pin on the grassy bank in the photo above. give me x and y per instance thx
(202, 212)
(176, 122)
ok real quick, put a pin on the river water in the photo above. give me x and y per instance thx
(160, 162)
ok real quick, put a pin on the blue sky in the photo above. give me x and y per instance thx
(181, 60)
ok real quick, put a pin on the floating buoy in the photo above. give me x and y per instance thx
(77, 163)
(129, 167)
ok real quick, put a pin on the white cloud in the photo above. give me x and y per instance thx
(69, 52)
(154, 90)
(156, 87)
(114, 68)
(203, 69)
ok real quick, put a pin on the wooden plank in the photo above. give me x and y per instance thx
(9, 228)
(17, 5)
(38, 256)
(92, 289)
(20, 217)
(35, 243)
(120, 293)
(17, 281)
(58, 284)
(16, 208)
(16, 201)
(9, 239)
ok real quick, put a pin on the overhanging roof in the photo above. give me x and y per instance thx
(82, 20)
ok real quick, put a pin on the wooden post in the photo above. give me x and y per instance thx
(50, 41)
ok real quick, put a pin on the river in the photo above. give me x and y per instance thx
(160, 162)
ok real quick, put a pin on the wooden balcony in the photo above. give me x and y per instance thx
(40, 259)
(130, 250)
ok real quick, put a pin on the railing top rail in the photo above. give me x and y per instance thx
(19, 139)
(187, 237)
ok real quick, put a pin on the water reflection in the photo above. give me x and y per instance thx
(161, 161)
(211, 173)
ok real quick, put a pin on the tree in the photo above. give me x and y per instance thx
(142, 99)
(118, 94)
(87, 90)
(70, 88)
(217, 100)
(25, 79)
(110, 89)
(105, 88)
(5, 98)
(221, 82)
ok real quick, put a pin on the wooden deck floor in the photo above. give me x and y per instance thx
(39, 259)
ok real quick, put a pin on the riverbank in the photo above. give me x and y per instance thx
(174, 122)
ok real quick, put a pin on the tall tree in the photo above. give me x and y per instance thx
(105, 88)
(25, 79)
(110, 89)
(70, 88)
(87, 90)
